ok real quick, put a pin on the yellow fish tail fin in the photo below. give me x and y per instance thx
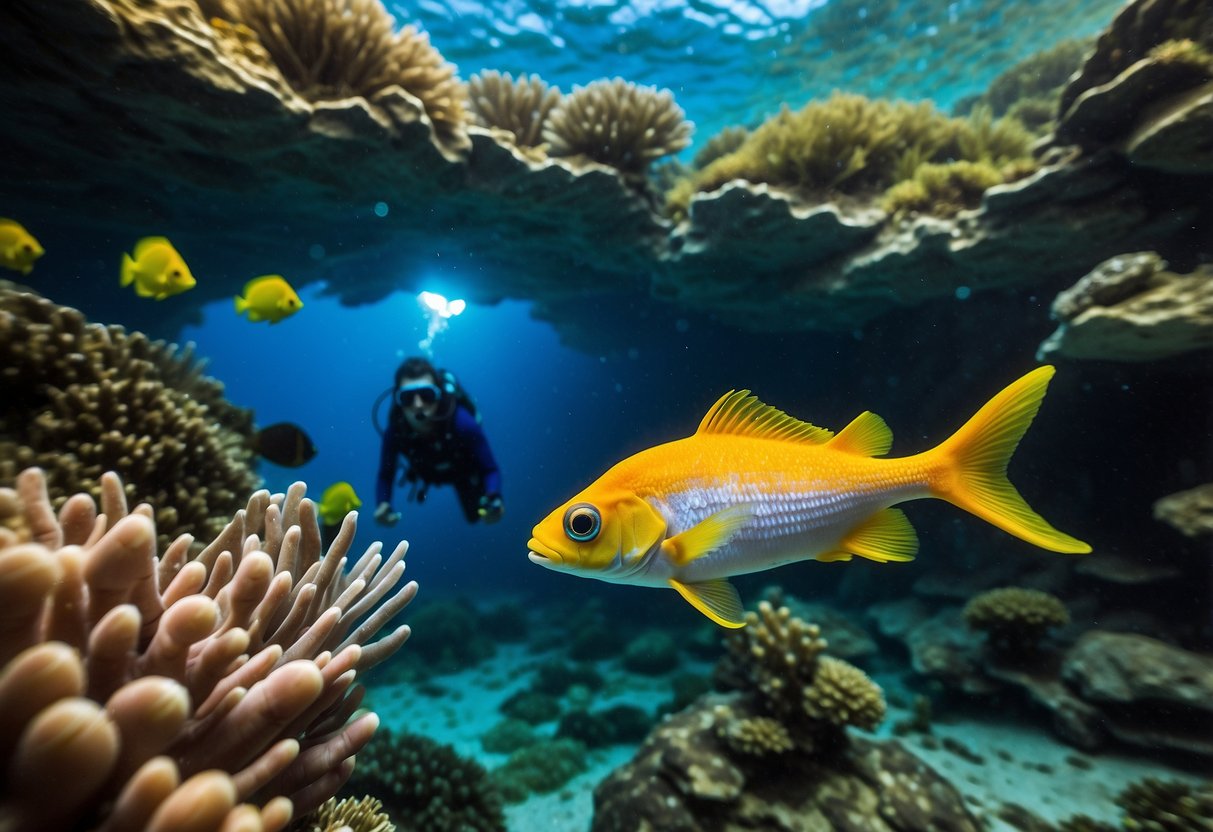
(973, 465)
(241, 305)
(128, 270)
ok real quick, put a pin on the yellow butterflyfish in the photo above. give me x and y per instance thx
(268, 298)
(754, 488)
(156, 269)
(338, 500)
(18, 248)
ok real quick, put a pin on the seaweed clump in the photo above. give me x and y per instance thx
(82, 399)
(332, 49)
(617, 123)
(850, 145)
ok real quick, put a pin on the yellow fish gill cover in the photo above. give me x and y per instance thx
(18, 248)
(754, 489)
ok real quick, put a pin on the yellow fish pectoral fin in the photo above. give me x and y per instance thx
(717, 599)
(708, 534)
(885, 536)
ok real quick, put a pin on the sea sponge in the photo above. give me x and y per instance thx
(617, 123)
(331, 49)
(82, 399)
(426, 786)
(518, 106)
(1015, 619)
(125, 671)
(842, 694)
(754, 736)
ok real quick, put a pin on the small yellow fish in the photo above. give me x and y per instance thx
(268, 298)
(754, 489)
(157, 269)
(18, 248)
(337, 501)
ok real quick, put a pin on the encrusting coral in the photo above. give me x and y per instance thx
(82, 399)
(146, 690)
(518, 106)
(1015, 619)
(617, 123)
(329, 49)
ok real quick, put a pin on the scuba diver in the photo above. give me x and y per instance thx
(433, 424)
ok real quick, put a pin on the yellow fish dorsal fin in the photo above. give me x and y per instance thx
(740, 414)
(257, 281)
(886, 535)
(867, 435)
(707, 535)
(717, 599)
(146, 243)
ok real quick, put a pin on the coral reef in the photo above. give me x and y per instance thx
(1167, 806)
(1015, 619)
(539, 768)
(520, 107)
(688, 775)
(127, 672)
(617, 123)
(1131, 308)
(426, 786)
(754, 736)
(334, 49)
(83, 399)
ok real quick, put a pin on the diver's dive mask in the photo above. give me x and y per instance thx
(408, 393)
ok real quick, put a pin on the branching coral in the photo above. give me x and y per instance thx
(339, 48)
(82, 399)
(814, 696)
(126, 672)
(853, 145)
(1015, 619)
(518, 106)
(617, 123)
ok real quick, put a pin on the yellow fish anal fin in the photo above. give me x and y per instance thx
(867, 435)
(717, 599)
(740, 414)
(708, 534)
(885, 536)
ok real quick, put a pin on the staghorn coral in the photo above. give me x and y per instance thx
(126, 671)
(83, 399)
(350, 815)
(329, 49)
(852, 145)
(426, 786)
(518, 106)
(754, 736)
(1015, 619)
(617, 123)
(779, 657)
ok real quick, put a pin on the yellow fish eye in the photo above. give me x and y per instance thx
(27, 248)
(582, 522)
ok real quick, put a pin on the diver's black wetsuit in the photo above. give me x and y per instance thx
(456, 452)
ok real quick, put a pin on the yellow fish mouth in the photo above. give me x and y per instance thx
(541, 554)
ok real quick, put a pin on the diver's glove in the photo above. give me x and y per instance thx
(384, 515)
(491, 508)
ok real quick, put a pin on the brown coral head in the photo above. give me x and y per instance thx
(1015, 619)
(521, 106)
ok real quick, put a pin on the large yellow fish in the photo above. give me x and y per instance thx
(18, 248)
(754, 489)
(268, 298)
(156, 269)
(338, 500)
